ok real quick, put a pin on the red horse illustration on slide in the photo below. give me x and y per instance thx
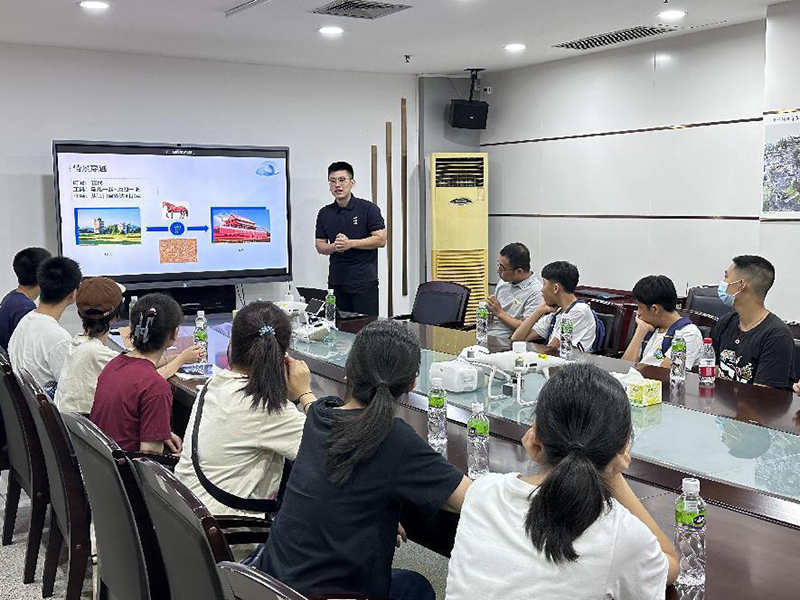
(182, 211)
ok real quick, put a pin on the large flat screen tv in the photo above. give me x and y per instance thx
(160, 215)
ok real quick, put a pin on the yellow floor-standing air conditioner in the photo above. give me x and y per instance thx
(460, 222)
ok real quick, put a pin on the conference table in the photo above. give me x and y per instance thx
(741, 441)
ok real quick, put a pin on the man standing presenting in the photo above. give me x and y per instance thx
(350, 230)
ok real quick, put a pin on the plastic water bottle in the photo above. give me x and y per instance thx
(330, 308)
(437, 416)
(201, 335)
(690, 534)
(677, 372)
(131, 304)
(565, 348)
(482, 325)
(477, 442)
(708, 364)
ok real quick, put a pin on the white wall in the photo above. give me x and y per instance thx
(53, 93)
(712, 76)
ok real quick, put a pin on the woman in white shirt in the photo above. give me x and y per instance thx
(574, 529)
(98, 300)
(242, 425)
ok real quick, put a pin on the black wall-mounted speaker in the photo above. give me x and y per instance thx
(468, 114)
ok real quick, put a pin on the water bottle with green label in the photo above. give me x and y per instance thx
(677, 370)
(201, 339)
(482, 324)
(437, 416)
(690, 534)
(477, 442)
(330, 307)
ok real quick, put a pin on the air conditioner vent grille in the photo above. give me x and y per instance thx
(616, 37)
(360, 9)
(460, 172)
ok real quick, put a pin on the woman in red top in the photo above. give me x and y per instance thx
(133, 402)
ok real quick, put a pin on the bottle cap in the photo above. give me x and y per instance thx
(436, 382)
(708, 341)
(477, 407)
(691, 485)
(519, 347)
(134, 298)
(330, 292)
(481, 304)
(201, 313)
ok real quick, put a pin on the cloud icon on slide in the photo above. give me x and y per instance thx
(267, 169)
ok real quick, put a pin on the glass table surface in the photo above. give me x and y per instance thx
(719, 448)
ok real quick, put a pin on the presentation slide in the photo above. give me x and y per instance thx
(142, 214)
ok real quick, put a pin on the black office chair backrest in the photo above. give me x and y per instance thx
(312, 293)
(129, 557)
(246, 583)
(797, 360)
(612, 316)
(704, 322)
(704, 299)
(24, 450)
(191, 541)
(440, 303)
(67, 495)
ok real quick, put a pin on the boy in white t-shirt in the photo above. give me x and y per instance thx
(657, 323)
(39, 344)
(560, 279)
(564, 532)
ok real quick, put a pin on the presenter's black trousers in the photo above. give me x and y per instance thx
(357, 298)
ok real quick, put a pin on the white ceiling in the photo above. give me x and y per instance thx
(443, 36)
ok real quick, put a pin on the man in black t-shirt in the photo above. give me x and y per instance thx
(350, 230)
(752, 344)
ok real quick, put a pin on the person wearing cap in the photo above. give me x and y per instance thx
(98, 300)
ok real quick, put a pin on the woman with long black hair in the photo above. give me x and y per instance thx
(243, 420)
(575, 529)
(357, 466)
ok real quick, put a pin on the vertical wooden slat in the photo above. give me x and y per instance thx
(375, 174)
(404, 188)
(389, 214)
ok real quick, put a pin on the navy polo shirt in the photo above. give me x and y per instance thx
(358, 220)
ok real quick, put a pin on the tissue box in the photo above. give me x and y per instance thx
(644, 393)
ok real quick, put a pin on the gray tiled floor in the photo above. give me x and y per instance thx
(12, 559)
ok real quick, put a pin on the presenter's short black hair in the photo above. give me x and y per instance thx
(518, 256)
(26, 264)
(563, 273)
(341, 166)
(58, 277)
(656, 289)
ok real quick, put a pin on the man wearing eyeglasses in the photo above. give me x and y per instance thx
(350, 230)
(517, 294)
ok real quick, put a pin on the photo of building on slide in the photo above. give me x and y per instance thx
(107, 226)
(237, 224)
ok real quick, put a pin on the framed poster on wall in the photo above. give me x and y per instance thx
(781, 183)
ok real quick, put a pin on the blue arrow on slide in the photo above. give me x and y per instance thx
(203, 228)
(157, 229)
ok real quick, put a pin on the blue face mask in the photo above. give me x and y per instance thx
(722, 292)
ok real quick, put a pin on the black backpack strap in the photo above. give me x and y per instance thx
(220, 495)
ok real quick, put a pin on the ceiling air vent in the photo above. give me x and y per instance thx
(360, 9)
(616, 37)
(459, 172)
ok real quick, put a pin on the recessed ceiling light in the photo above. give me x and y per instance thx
(515, 47)
(331, 30)
(93, 5)
(672, 15)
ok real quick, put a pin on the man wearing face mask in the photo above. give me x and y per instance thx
(752, 344)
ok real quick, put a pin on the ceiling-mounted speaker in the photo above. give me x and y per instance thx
(468, 114)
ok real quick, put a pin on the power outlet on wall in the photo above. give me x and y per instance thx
(487, 89)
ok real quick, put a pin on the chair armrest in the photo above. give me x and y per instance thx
(402, 317)
(244, 530)
(168, 460)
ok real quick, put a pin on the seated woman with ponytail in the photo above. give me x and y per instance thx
(242, 426)
(575, 529)
(357, 466)
(133, 402)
